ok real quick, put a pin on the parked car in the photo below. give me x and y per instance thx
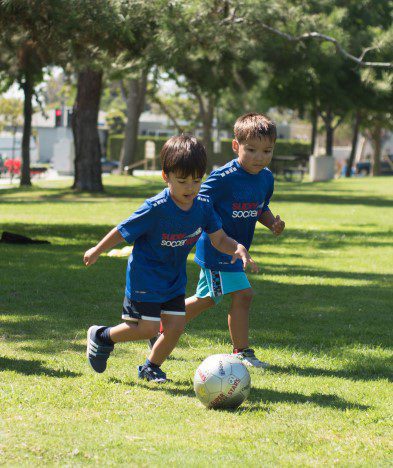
(108, 166)
(364, 167)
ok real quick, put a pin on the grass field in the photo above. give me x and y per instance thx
(322, 316)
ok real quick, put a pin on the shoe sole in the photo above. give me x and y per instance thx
(246, 363)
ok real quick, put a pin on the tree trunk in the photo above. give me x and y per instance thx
(314, 128)
(206, 110)
(355, 136)
(84, 127)
(28, 89)
(135, 104)
(376, 135)
(329, 133)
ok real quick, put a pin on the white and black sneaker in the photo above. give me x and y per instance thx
(97, 351)
(152, 373)
(248, 358)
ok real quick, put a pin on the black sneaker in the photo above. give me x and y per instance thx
(154, 374)
(248, 358)
(97, 352)
(153, 340)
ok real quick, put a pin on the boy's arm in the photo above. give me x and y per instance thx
(108, 242)
(275, 224)
(229, 246)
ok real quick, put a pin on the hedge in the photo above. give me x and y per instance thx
(282, 148)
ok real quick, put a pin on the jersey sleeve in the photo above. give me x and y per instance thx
(213, 222)
(268, 194)
(137, 224)
(212, 187)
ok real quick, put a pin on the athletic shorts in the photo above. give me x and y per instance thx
(215, 283)
(134, 310)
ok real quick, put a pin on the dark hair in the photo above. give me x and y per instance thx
(184, 155)
(253, 125)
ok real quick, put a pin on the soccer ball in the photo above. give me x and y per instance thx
(222, 381)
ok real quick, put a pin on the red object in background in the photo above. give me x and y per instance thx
(13, 165)
(58, 117)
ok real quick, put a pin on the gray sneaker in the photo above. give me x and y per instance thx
(153, 340)
(248, 358)
(97, 352)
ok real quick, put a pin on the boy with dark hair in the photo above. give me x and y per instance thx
(164, 230)
(240, 193)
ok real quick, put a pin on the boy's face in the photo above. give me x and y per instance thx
(183, 190)
(254, 154)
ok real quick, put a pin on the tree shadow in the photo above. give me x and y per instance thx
(141, 187)
(358, 373)
(33, 367)
(257, 399)
(258, 395)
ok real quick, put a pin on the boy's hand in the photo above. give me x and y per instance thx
(278, 226)
(91, 256)
(242, 254)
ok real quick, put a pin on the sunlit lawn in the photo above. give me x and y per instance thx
(322, 316)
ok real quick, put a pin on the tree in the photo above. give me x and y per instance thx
(305, 71)
(23, 54)
(204, 53)
(11, 116)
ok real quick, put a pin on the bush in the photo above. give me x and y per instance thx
(282, 148)
(116, 142)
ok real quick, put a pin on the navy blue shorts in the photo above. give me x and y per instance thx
(134, 310)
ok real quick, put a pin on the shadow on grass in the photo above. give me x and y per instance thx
(138, 188)
(33, 367)
(265, 396)
(258, 398)
(360, 373)
(329, 199)
(49, 294)
(146, 187)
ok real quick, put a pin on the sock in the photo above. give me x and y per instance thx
(238, 350)
(151, 364)
(104, 336)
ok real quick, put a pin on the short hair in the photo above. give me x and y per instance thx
(253, 125)
(184, 155)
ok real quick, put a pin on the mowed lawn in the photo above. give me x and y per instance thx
(322, 316)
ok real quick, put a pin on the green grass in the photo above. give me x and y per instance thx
(322, 316)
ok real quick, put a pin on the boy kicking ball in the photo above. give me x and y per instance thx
(163, 230)
(240, 193)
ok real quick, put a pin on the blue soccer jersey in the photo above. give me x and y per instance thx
(239, 198)
(163, 235)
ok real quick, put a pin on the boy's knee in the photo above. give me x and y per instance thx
(244, 296)
(175, 328)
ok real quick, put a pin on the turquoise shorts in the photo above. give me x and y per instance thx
(214, 283)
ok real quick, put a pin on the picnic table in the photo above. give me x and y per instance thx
(292, 167)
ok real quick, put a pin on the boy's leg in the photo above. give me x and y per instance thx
(238, 324)
(165, 343)
(142, 320)
(173, 327)
(196, 305)
(133, 331)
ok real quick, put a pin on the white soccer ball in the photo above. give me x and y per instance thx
(222, 381)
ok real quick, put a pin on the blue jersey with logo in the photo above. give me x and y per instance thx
(239, 198)
(163, 235)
